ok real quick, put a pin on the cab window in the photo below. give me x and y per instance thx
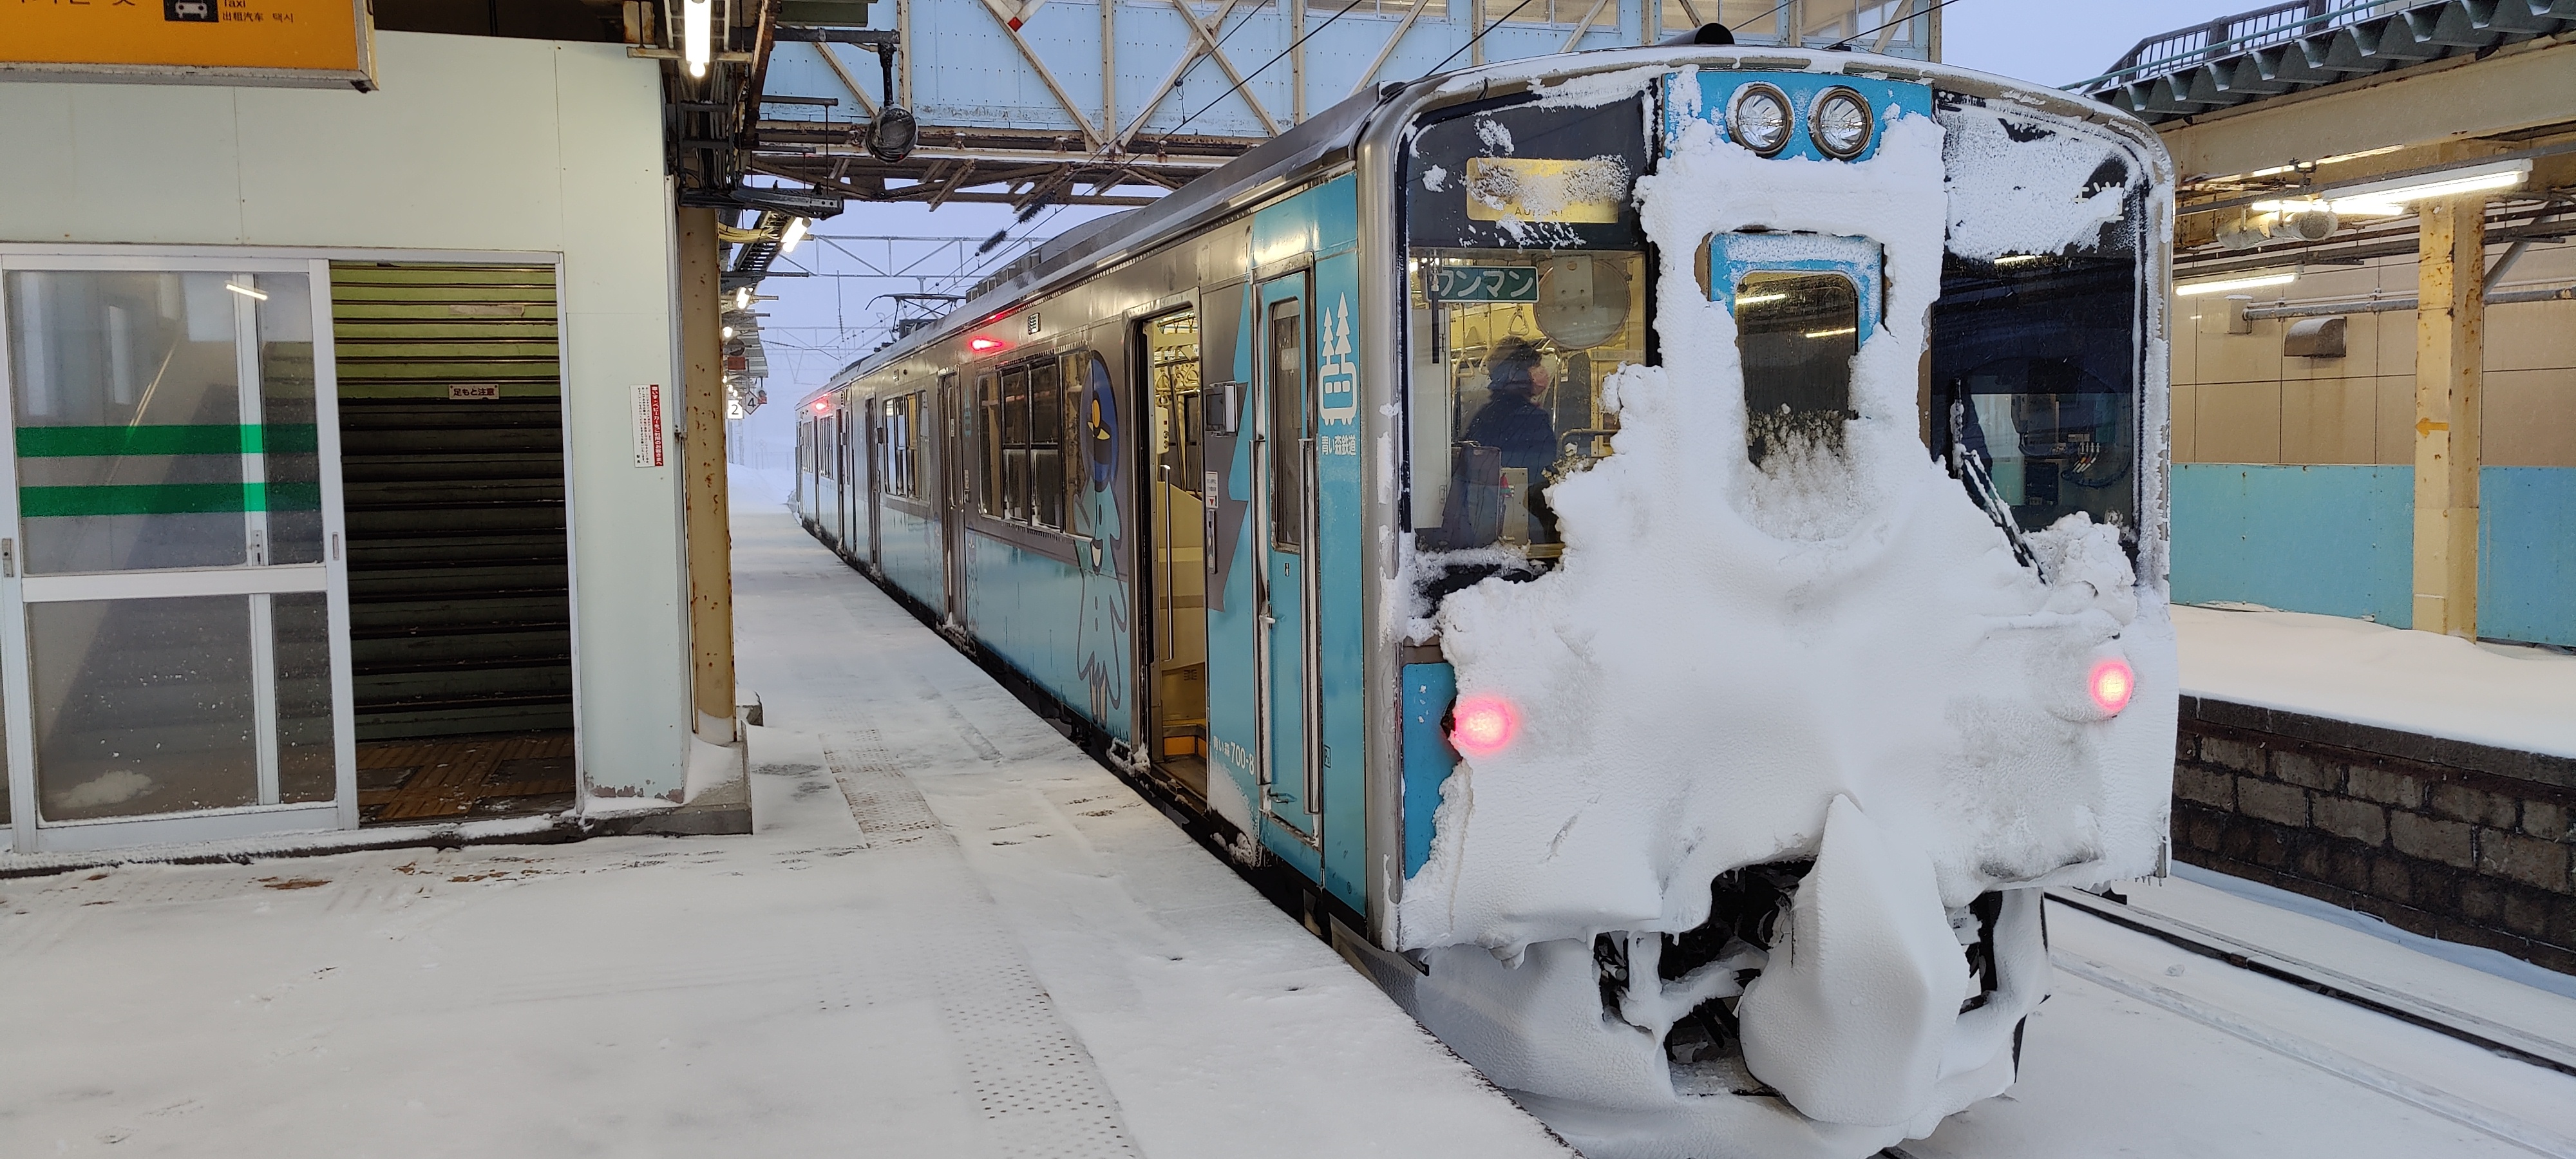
(1527, 287)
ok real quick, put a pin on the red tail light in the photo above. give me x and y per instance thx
(2112, 684)
(983, 345)
(1483, 725)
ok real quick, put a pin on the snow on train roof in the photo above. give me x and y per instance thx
(1573, 80)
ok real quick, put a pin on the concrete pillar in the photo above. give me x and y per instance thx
(702, 461)
(2450, 356)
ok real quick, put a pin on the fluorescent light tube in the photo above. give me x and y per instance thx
(2242, 282)
(2466, 179)
(795, 236)
(697, 35)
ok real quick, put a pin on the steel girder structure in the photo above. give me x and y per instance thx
(2305, 44)
(1097, 101)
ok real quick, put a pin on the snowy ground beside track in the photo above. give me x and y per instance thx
(812, 989)
(2105, 1072)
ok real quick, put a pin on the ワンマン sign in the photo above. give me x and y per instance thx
(300, 43)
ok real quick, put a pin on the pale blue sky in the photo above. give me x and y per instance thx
(2066, 41)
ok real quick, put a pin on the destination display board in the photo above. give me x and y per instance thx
(291, 43)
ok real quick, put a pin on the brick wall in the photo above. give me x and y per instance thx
(2459, 841)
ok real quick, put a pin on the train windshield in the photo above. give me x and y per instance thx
(2033, 387)
(1527, 286)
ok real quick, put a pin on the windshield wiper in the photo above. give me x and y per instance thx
(1969, 465)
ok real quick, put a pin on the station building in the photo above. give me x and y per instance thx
(2374, 349)
(350, 442)
(2374, 418)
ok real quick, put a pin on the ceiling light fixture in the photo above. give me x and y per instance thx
(697, 35)
(795, 236)
(2468, 179)
(742, 298)
(2239, 282)
(2390, 198)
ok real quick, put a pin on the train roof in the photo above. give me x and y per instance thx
(1331, 134)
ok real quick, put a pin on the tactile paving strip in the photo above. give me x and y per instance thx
(1040, 1093)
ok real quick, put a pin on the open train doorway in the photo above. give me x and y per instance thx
(460, 602)
(1178, 514)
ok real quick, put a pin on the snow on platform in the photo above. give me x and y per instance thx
(2506, 696)
(951, 935)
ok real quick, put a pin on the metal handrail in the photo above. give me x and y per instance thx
(2276, 34)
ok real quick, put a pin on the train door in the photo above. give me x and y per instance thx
(949, 464)
(1283, 467)
(804, 466)
(1177, 512)
(1803, 304)
(845, 437)
(875, 452)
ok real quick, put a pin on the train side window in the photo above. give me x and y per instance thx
(988, 439)
(1287, 431)
(916, 413)
(1046, 445)
(898, 441)
(1015, 445)
(1796, 332)
(890, 432)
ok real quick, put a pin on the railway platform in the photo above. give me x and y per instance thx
(952, 934)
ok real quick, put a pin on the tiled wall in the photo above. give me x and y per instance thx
(2238, 399)
(2293, 480)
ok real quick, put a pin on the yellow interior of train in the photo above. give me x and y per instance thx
(1179, 530)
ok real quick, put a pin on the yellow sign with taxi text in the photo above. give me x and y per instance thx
(303, 43)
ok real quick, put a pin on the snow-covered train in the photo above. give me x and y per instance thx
(1662, 548)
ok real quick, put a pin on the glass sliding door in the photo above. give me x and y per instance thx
(174, 645)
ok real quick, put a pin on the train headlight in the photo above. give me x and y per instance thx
(2111, 685)
(1839, 123)
(1759, 118)
(1481, 726)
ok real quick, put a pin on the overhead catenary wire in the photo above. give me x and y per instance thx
(1846, 41)
(1480, 35)
(1165, 137)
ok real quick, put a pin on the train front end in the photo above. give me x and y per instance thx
(1779, 593)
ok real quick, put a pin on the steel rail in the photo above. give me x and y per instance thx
(2505, 1040)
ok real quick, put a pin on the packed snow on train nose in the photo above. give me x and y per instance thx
(1758, 785)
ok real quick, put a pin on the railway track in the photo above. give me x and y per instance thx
(2505, 1041)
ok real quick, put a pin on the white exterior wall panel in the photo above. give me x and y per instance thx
(473, 145)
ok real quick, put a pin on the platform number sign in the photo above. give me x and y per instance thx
(1484, 283)
(649, 428)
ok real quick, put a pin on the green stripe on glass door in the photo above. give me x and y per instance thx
(89, 442)
(168, 499)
